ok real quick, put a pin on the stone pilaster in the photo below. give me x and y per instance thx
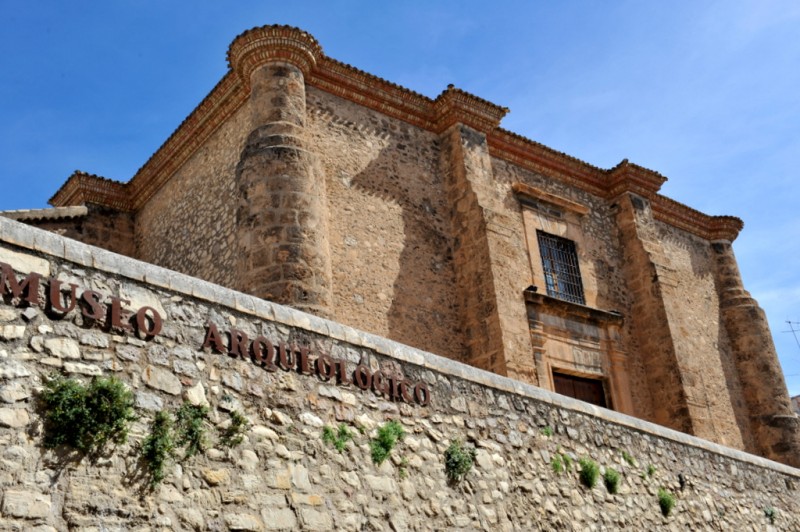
(282, 219)
(490, 296)
(776, 429)
(648, 275)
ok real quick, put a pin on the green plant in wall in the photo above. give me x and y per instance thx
(158, 447)
(771, 514)
(628, 458)
(86, 417)
(458, 460)
(190, 428)
(649, 472)
(612, 479)
(388, 435)
(337, 438)
(234, 433)
(547, 431)
(557, 463)
(666, 501)
(567, 461)
(589, 472)
(402, 470)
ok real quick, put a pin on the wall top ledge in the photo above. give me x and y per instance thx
(16, 237)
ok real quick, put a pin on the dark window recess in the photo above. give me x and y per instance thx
(560, 263)
(582, 388)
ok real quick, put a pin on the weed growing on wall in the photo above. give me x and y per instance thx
(402, 470)
(547, 431)
(771, 514)
(666, 501)
(557, 463)
(612, 478)
(234, 433)
(649, 472)
(458, 460)
(628, 458)
(158, 447)
(86, 417)
(338, 438)
(190, 428)
(388, 436)
(589, 472)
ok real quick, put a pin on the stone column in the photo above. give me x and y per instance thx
(776, 429)
(282, 219)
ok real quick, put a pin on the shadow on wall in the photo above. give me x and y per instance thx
(423, 310)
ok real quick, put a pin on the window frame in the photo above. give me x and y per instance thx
(561, 267)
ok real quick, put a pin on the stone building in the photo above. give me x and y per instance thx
(305, 181)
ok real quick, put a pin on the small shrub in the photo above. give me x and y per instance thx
(649, 472)
(567, 461)
(403, 468)
(337, 438)
(388, 436)
(547, 431)
(771, 514)
(458, 460)
(86, 417)
(628, 458)
(612, 479)
(557, 463)
(158, 447)
(589, 472)
(234, 433)
(666, 501)
(190, 428)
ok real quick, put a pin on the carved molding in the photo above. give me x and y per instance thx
(284, 43)
(527, 191)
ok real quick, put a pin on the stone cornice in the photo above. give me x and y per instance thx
(524, 191)
(286, 44)
(82, 188)
(268, 44)
(629, 177)
(708, 227)
(538, 158)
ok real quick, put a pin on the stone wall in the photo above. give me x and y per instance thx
(283, 476)
(189, 225)
(390, 243)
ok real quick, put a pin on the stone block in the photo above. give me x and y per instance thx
(13, 418)
(315, 520)
(26, 504)
(62, 348)
(237, 521)
(161, 379)
(82, 369)
(24, 263)
(279, 519)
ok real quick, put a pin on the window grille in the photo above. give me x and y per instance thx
(560, 262)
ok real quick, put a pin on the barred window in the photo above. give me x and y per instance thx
(560, 264)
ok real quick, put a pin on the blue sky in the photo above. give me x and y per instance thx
(706, 93)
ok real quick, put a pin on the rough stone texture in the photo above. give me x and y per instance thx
(390, 243)
(282, 219)
(102, 226)
(284, 477)
(188, 226)
(420, 229)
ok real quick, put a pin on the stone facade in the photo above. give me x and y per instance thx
(309, 183)
(283, 476)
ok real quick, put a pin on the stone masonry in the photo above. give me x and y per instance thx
(307, 182)
(283, 476)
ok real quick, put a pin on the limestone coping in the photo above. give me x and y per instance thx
(41, 242)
